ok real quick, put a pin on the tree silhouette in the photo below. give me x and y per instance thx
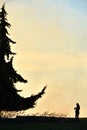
(10, 100)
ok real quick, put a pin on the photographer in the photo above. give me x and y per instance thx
(77, 109)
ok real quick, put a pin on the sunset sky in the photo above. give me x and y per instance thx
(51, 48)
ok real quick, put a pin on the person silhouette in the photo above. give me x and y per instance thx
(77, 109)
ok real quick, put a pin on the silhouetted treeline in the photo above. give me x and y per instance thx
(10, 100)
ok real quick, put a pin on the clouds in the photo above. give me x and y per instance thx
(58, 24)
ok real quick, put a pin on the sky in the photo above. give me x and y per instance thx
(51, 49)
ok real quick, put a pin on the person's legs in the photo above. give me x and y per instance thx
(77, 117)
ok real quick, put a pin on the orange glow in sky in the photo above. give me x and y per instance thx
(51, 48)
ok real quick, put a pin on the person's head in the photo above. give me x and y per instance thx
(77, 104)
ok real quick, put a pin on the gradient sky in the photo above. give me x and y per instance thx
(51, 48)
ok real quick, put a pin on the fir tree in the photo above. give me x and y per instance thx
(10, 100)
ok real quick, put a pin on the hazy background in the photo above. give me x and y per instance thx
(51, 48)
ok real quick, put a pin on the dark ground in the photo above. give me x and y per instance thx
(42, 123)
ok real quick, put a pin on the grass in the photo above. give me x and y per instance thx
(43, 123)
